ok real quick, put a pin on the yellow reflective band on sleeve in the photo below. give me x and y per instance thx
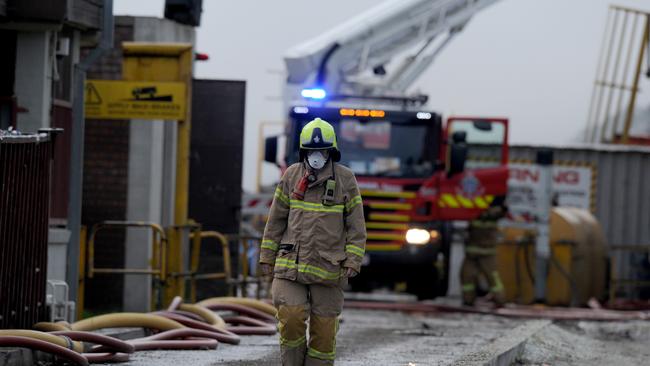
(280, 195)
(353, 249)
(498, 285)
(315, 207)
(293, 344)
(307, 268)
(269, 244)
(484, 224)
(468, 287)
(281, 262)
(321, 355)
(353, 202)
(480, 251)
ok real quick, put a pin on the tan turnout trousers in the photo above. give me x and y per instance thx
(298, 305)
(480, 260)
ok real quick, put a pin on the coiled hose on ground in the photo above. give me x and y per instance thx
(44, 346)
(182, 326)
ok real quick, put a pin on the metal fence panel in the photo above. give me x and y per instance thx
(24, 204)
(622, 198)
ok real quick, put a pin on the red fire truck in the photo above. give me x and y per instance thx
(417, 173)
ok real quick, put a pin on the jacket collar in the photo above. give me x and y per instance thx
(323, 174)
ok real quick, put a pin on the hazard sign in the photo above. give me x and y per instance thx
(116, 99)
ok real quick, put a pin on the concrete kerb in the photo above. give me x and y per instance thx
(505, 350)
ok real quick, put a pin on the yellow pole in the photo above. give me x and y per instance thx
(635, 86)
(169, 62)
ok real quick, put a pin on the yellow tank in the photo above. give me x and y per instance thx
(577, 270)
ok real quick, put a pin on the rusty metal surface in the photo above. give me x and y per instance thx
(24, 204)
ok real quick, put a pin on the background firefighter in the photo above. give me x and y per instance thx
(313, 241)
(480, 256)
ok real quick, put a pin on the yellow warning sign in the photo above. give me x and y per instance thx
(115, 99)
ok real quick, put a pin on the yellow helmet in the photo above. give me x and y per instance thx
(317, 135)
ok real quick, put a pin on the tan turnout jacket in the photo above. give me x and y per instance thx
(308, 241)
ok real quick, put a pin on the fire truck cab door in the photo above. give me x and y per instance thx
(476, 154)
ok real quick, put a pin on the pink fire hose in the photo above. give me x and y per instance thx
(241, 309)
(250, 326)
(175, 344)
(187, 314)
(39, 345)
(111, 344)
(224, 335)
(107, 357)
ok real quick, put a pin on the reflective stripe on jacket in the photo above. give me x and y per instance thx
(312, 242)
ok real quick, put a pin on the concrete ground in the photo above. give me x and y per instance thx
(366, 338)
(375, 338)
(378, 338)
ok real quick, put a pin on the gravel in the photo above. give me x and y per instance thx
(590, 343)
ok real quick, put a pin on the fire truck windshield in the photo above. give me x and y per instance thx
(383, 148)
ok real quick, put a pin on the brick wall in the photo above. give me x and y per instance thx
(106, 159)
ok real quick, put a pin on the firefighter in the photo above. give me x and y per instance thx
(313, 242)
(480, 256)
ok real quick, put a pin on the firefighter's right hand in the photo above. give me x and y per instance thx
(267, 269)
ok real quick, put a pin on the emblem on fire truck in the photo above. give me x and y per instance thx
(471, 186)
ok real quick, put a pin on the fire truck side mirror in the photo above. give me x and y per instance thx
(271, 150)
(457, 153)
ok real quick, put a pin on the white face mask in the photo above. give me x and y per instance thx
(316, 159)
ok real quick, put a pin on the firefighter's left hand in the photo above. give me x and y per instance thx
(349, 273)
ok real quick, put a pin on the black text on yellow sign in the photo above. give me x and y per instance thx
(115, 99)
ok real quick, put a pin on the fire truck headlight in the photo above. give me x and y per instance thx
(418, 236)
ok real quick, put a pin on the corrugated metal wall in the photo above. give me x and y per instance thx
(24, 204)
(622, 196)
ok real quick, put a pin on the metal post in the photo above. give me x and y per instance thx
(542, 245)
(77, 157)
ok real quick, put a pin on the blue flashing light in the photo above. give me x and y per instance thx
(314, 93)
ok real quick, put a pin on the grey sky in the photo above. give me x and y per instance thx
(533, 61)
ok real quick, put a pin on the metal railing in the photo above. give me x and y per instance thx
(157, 267)
(246, 278)
(615, 282)
(613, 98)
(194, 275)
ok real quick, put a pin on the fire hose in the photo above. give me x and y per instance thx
(50, 327)
(175, 344)
(244, 310)
(187, 314)
(209, 316)
(255, 304)
(182, 326)
(106, 357)
(60, 341)
(121, 320)
(224, 335)
(256, 325)
(114, 344)
(250, 326)
(44, 346)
